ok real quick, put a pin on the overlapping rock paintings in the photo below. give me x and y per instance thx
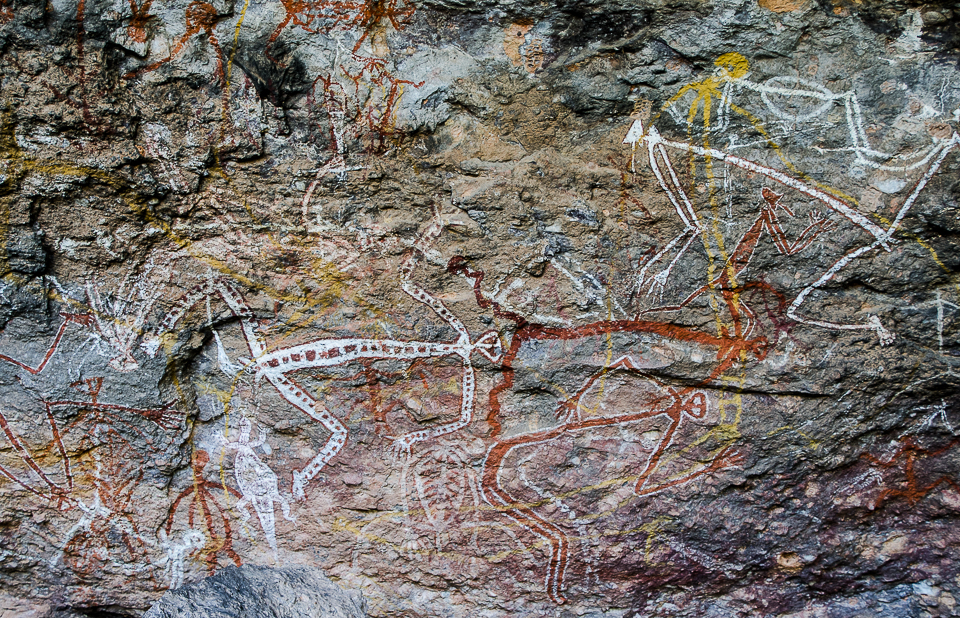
(286, 352)
(796, 102)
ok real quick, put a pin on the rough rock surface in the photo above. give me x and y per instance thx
(260, 592)
(637, 308)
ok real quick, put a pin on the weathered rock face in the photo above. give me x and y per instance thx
(503, 309)
(260, 592)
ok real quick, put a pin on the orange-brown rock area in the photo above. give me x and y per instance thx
(613, 308)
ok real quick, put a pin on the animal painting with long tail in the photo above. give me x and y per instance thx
(279, 365)
(638, 348)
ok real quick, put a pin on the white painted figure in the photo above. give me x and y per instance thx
(731, 77)
(174, 554)
(276, 365)
(258, 484)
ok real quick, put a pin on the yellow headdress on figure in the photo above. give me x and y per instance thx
(733, 64)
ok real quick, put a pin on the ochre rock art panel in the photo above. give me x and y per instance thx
(515, 309)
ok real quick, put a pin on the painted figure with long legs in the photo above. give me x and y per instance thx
(277, 366)
(732, 75)
(667, 403)
(727, 282)
(663, 402)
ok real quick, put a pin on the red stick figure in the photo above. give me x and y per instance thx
(905, 459)
(727, 282)
(303, 13)
(325, 15)
(372, 13)
(205, 506)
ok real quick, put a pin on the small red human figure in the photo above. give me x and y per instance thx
(905, 459)
(379, 118)
(302, 13)
(204, 505)
(201, 17)
(769, 221)
(94, 385)
(727, 282)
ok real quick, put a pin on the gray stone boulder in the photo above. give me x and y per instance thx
(261, 592)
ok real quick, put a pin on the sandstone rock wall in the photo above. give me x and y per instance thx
(517, 308)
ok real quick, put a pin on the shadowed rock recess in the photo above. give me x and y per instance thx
(525, 308)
